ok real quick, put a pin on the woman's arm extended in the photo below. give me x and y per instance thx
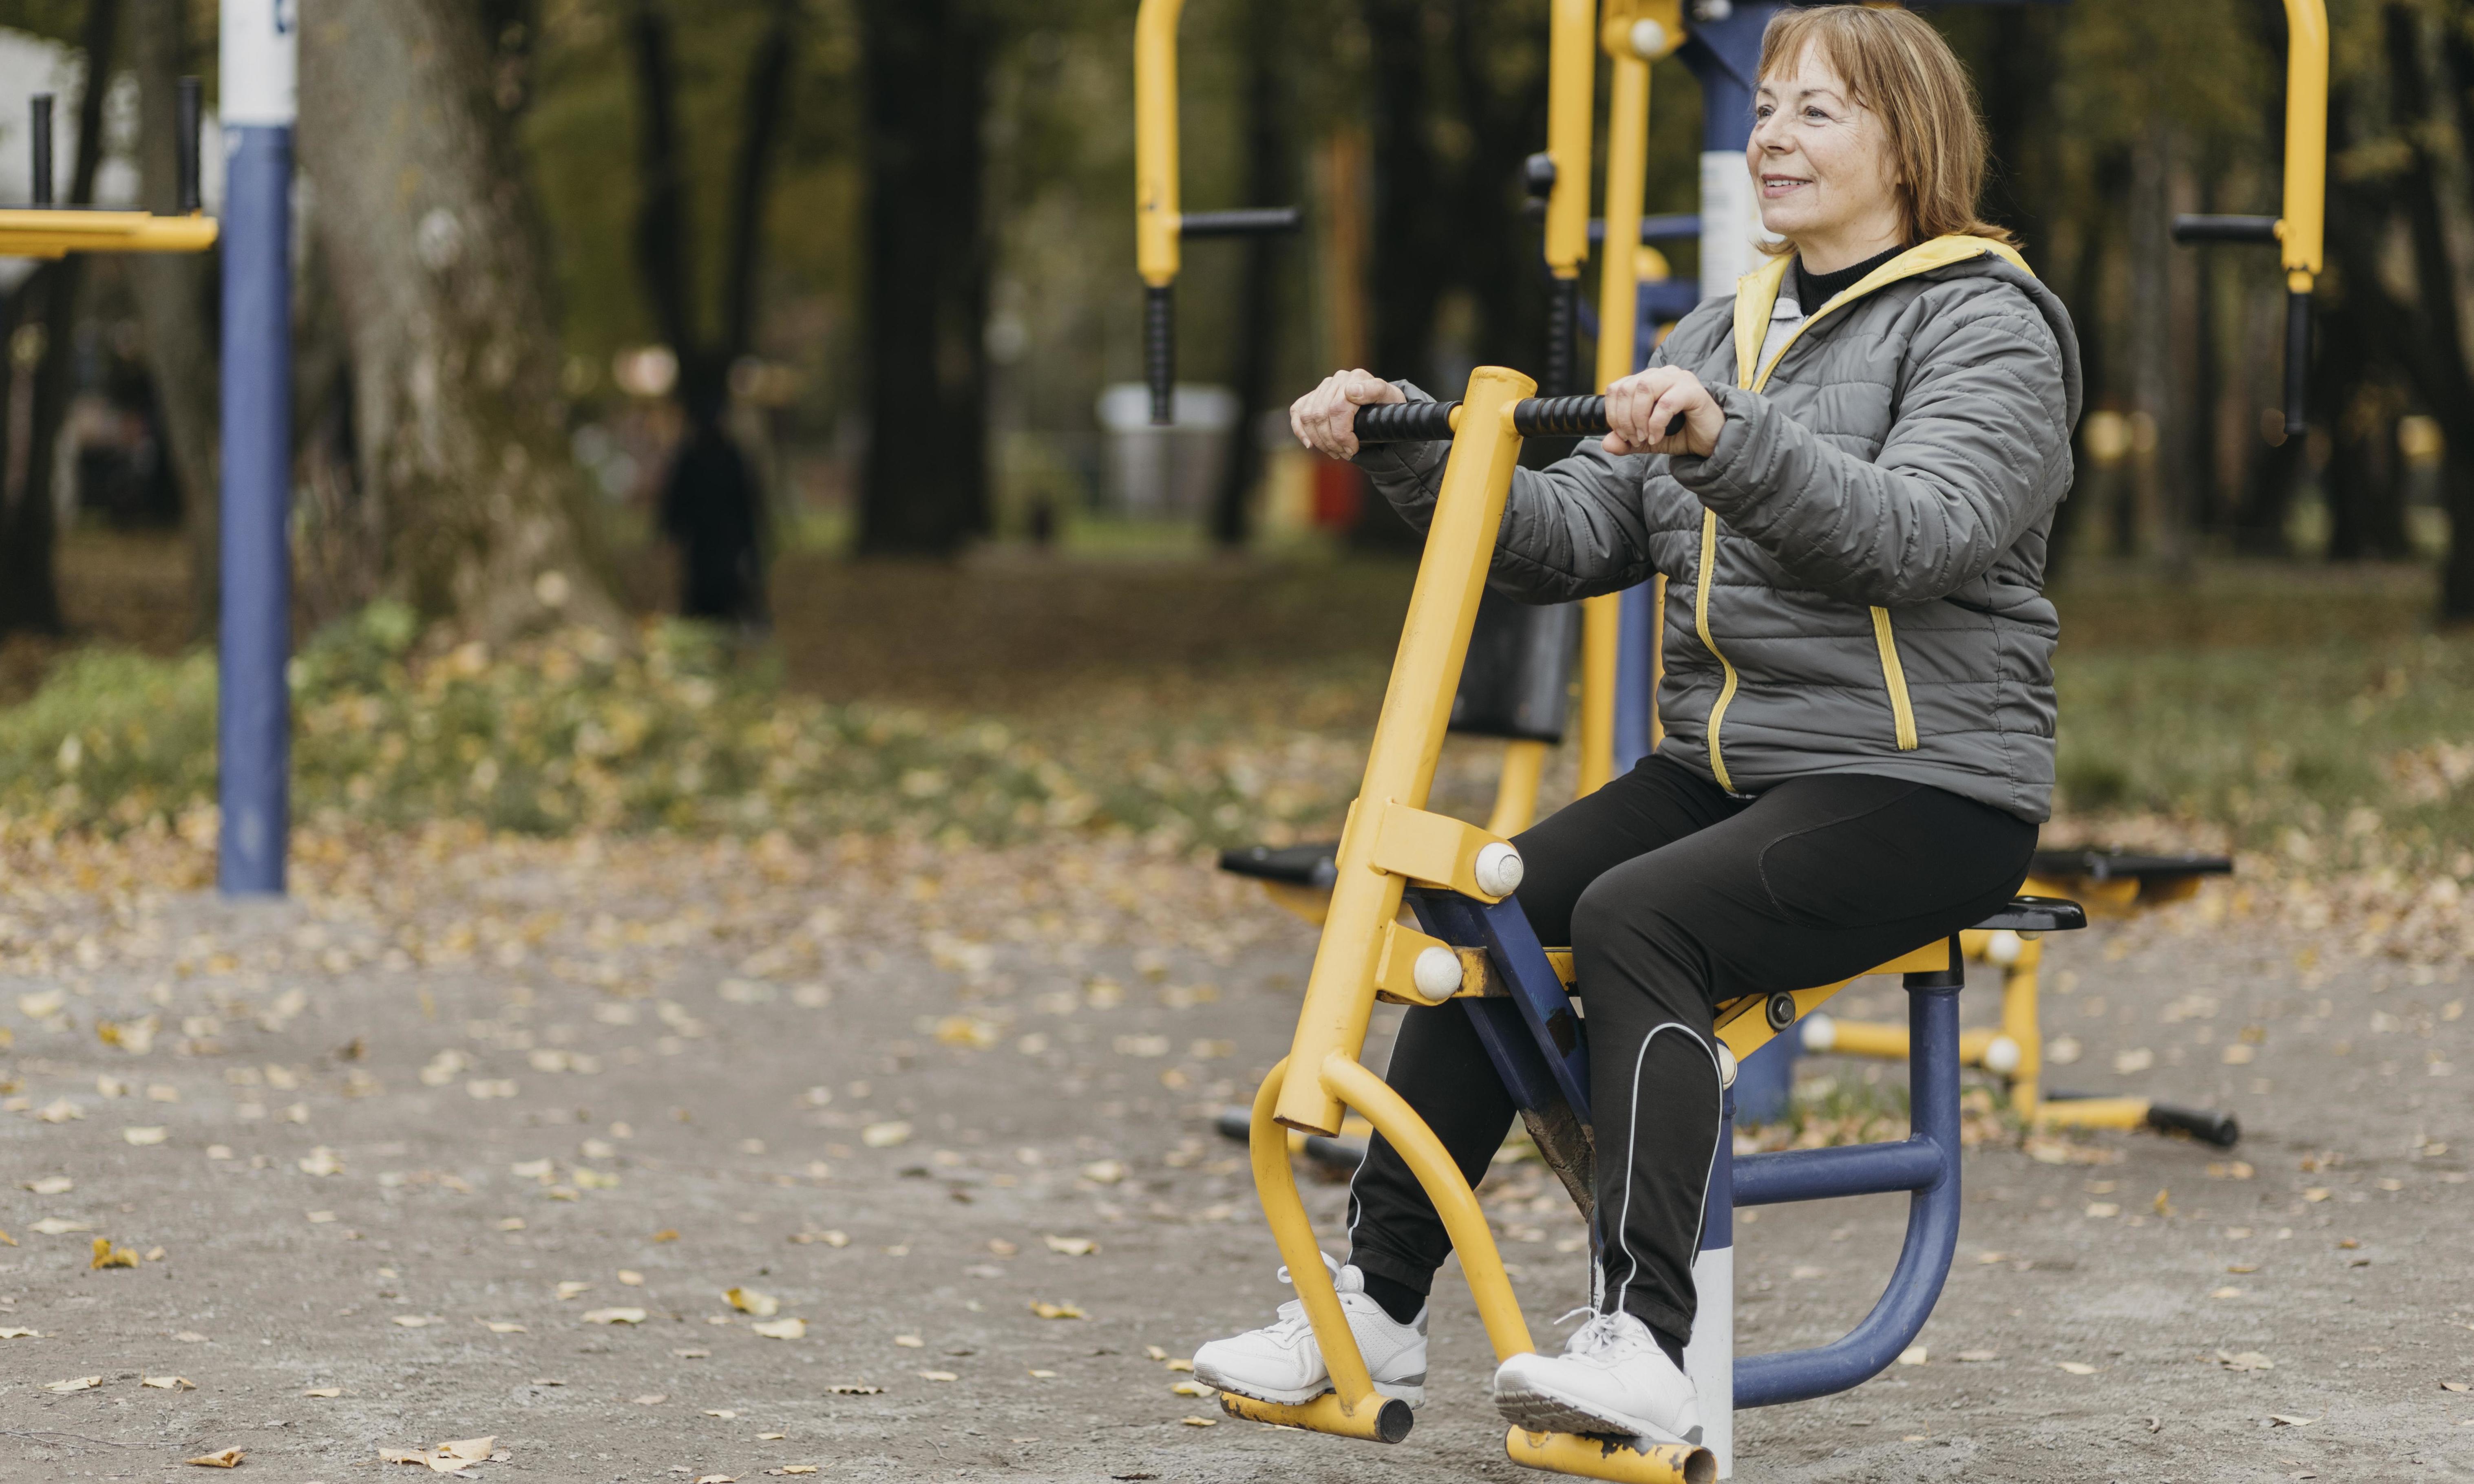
(1966, 470)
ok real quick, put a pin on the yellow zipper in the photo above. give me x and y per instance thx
(1756, 295)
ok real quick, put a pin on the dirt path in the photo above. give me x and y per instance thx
(897, 1090)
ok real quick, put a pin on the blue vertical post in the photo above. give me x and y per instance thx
(254, 734)
(1725, 54)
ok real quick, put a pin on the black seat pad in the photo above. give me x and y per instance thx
(2036, 915)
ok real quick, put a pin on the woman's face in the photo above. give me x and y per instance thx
(1820, 162)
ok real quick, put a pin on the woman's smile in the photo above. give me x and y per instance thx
(1777, 187)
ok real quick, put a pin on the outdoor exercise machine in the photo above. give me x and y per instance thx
(1161, 226)
(1474, 945)
(2109, 884)
(46, 229)
(2301, 231)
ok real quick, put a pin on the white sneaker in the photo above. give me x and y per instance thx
(1281, 1362)
(1610, 1378)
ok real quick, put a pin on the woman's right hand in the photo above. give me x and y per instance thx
(1325, 419)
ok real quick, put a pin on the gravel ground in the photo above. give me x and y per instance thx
(476, 1137)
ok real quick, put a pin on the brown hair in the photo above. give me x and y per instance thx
(1902, 69)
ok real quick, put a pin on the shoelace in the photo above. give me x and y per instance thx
(1605, 1335)
(1291, 1321)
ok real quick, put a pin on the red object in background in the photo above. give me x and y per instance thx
(1339, 495)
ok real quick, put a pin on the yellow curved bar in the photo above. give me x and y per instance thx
(1408, 737)
(1601, 649)
(1276, 1185)
(1326, 1414)
(1626, 1460)
(1571, 105)
(2305, 228)
(30, 232)
(1462, 1218)
(1157, 217)
(1515, 793)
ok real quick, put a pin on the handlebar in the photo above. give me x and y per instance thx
(2226, 229)
(1537, 416)
(190, 111)
(1248, 221)
(1159, 300)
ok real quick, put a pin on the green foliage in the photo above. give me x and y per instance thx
(576, 732)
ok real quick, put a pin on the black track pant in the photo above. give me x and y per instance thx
(1677, 896)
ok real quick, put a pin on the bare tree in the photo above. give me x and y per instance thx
(438, 257)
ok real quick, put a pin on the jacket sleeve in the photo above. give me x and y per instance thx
(1572, 530)
(1965, 471)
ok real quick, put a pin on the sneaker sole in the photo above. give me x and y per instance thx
(1536, 1410)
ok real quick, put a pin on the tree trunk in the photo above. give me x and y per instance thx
(441, 267)
(30, 596)
(177, 302)
(1499, 247)
(1269, 183)
(926, 486)
(1407, 283)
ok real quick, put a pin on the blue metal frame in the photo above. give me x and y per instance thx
(1551, 1061)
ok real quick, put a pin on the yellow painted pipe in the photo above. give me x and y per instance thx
(52, 233)
(1275, 1186)
(1628, 1460)
(1388, 1421)
(1408, 737)
(1572, 104)
(1157, 217)
(2305, 227)
(1626, 179)
(1601, 651)
(2093, 1112)
(1515, 793)
(1472, 1242)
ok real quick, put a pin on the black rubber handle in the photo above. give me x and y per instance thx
(42, 145)
(2225, 228)
(2221, 1130)
(1653, 229)
(1160, 352)
(1251, 222)
(1406, 422)
(1537, 416)
(2297, 363)
(191, 111)
(1562, 334)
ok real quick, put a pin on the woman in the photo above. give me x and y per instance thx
(1851, 517)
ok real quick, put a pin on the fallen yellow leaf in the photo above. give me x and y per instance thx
(323, 1391)
(876, 1136)
(52, 1185)
(167, 1383)
(80, 1383)
(418, 1321)
(938, 1376)
(615, 1316)
(1046, 1311)
(321, 1161)
(570, 1288)
(1072, 1246)
(2076, 1367)
(61, 1226)
(782, 1328)
(12, 1332)
(107, 1255)
(228, 1458)
(144, 1135)
(1200, 1422)
(798, 1468)
(505, 1326)
(747, 1301)
(1190, 1389)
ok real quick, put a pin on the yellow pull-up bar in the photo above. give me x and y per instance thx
(45, 230)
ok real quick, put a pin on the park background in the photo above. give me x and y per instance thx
(854, 950)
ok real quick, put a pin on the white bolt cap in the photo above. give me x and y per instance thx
(1648, 40)
(1820, 1033)
(2002, 1054)
(1726, 1064)
(1437, 973)
(1498, 870)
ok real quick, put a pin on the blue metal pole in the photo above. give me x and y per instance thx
(254, 726)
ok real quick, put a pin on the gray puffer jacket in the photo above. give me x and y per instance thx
(1856, 572)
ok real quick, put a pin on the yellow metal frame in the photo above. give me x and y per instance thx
(2304, 229)
(1158, 219)
(42, 232)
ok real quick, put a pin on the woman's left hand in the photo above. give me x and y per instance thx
(1641, 408)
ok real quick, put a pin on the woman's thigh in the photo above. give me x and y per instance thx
(1653, 806)
(1818, 879)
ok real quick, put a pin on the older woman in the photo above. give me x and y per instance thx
(1852, 516)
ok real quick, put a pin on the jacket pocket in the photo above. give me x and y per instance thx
(1894, 675)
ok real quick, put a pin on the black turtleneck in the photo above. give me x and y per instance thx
(1814, 290)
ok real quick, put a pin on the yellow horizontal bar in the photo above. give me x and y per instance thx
(26, 232)
(2095, 1113)
(1628, 1460)
(1866, 1037)
(1388, 1421)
